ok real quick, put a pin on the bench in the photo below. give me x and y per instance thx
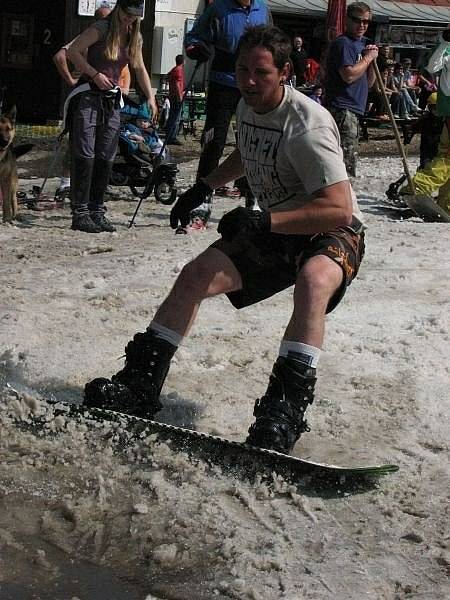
(367, 122)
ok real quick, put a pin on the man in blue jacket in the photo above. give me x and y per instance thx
(217, 32)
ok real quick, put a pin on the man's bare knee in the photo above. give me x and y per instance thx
(208, 275)
(319, 278)
(194, 279)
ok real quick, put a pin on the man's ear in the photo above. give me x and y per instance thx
(12, 114)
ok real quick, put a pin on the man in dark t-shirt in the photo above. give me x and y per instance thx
(298, 57)
(349, 76)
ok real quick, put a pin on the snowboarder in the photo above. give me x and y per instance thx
(308, 233)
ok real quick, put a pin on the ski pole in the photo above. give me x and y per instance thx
(51, 166)
(168, 133)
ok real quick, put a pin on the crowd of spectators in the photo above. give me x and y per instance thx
(406, 88)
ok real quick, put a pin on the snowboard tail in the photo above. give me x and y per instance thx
(234, 457)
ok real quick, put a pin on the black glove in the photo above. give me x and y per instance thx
(199, 51)
(193, 197)
(244, 220)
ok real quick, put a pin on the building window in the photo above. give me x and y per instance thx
(17, 41)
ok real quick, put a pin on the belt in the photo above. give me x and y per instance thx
(356, 226)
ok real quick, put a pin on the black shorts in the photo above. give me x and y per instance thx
(270, 263)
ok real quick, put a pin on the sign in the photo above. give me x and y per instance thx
(405, 36)
(105, 4)
(86, 8)
(163, 5)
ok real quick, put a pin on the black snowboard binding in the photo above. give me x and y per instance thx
(280, 412)
(393, 191)
(136, 388)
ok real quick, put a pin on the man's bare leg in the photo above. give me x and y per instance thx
(210, 274)
(317, 282)
(280, 413)
(136, 388)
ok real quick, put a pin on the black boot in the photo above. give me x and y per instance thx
(80, 185)
(102, 222)
(280, 412)
(100, 179)
(136, 388)
(84, 223)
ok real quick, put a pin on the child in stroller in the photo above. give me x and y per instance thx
(141, 139)
(142, 161)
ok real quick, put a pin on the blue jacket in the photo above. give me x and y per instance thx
(221, 26)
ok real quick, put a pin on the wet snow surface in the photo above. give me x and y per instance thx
(81, 520)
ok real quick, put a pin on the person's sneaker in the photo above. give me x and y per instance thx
(234, 193)
(407, 118)
(62, 190)
(199, 217)
(396, 116)
(197, 224)
(85, 223)
(101, 221)
(222, 191)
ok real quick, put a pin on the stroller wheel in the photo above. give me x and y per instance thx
(165, 193)
(118, 178)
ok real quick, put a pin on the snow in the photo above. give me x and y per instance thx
(80, 519)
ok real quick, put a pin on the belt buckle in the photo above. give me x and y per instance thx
(356, 226)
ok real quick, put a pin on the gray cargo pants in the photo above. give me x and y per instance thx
(348, 125)
(94, 135)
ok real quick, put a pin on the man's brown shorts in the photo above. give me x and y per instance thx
(270, 263)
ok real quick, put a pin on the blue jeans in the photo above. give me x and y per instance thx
(220, 107)
(173, 122)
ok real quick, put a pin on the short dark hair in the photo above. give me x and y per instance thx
(358, 8)
(271, 38)
(179, 59)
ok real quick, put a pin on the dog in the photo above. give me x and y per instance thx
(8, 167)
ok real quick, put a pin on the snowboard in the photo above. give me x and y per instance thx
(427, 209)
(233, 457)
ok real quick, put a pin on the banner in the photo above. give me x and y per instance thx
(406, 36)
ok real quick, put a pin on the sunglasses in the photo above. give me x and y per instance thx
(360, 21)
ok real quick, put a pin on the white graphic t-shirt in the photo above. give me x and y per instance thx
(291, 152)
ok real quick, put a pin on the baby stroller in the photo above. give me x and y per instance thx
(143, 170)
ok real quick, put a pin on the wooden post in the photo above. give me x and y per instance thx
(394, 127)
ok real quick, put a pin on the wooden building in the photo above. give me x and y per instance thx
(31, 32)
